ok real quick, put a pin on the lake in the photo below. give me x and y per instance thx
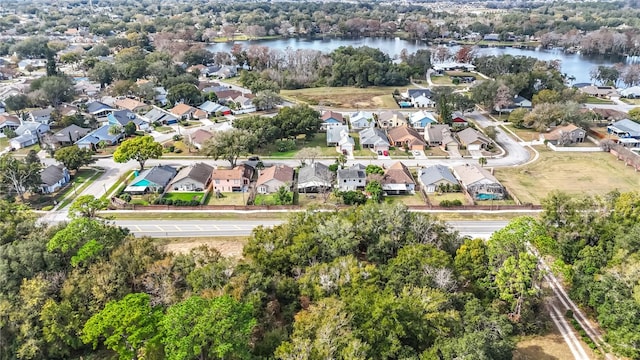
(572, 64)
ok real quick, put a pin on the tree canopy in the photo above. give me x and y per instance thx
(140, 149)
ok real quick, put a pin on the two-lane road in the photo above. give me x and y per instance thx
(210, 228)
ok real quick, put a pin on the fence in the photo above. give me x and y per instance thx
(298, 208)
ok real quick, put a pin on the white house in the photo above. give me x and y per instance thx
(42, 116)
(353, 178)
(53, 178)
(361, 120)
(28, 133)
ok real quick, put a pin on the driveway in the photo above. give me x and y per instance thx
(516, 154)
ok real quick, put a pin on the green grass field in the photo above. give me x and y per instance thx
(596, 100)
(436, 198)
(524, 134)
(235, 198)
(184, 196)
(573, 173)
(631, 101)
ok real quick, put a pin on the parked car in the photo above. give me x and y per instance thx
(416, 153)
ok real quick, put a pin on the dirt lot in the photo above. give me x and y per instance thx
(547, 347)
(574, 173)
(346, 97)
(228, 246)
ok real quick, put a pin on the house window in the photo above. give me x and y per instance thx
(217, 181)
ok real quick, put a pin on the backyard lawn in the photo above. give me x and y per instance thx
(597, 100)
(436, 198)
(345, 97)
(524, 134)
(184, 196)
(4, 142)
(415, 199)
(235, 198)
(574, 173)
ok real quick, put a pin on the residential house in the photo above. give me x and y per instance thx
(183, 111)
(69, 135)
(420, 119)
(154, 180)
(491, 37)
(232, 180)
(8, 122)
(361, 120)
(99, 109)
(53, 178)
(406, 137)
(420, 98)
(86, 88)
(599, 91)
(131, 105)
(331, 119)
(199, 137)
(479, 182)
(225, 72)
(160, 116)
(42, 116)
(124, 117)
(453, 65)
(397, 180)
(374, 139)
(34, 63)
(196, 177)
(433, 177)
(199, 69)
(625, 128)
(519, 102)
(161, 95)
(352, 178)
(391, 119)
(346, 144)
(565, 135)
(29, 133)
(315, 177)
(458, 120)
(68, 110)
(273, 178)
(213, 108)
(632, 92)
(334, 134)
(3, 108)
(449, 142)
(92, 139)
(433, 134)
(244, 104)
(200, 114)
(226, 94)
(473, 139)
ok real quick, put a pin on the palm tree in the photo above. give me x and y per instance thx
(482, 161)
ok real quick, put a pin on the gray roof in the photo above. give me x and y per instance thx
(469, 135)
(101, 133)
(333, 134)
(52, 174)
(434, 132)
(97, 106)
(373, 136)
(313, 171)
(31, 126)
(413, 93)
(199, 172)
(351, 174)
(72, 131)
(436, 173)
(156, 114)
(160, 175)
(42, 112)
(628, 126)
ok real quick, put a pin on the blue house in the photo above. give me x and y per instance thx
(123, 117)
(91, 140)
(155, 179)
(625, 128)
(98, 109)
(331, 119)
(421, 119)
(161, 116)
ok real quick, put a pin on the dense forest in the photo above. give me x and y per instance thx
(373, 282)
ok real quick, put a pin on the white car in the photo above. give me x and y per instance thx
(416, 153)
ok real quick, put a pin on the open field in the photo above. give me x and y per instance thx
(631, 101)
(542, 347)
(574, 173)
(415, 199)
(597, 100)
(524, 134)
(345, 97)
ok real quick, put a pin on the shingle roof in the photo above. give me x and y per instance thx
(435, 173)
(97, 106)
(412, 93)
(160, 175)
(182, 109)
(629, 126)
(397, 173)
(332, 114)
(42, 112)
(373, 136)
(200, 136)
(469, 135)
(470, 174)
(156, 114)
(72, 131)
(404, 133)
(129, 104)
(281, 173)
(52, 174)
(335, 133)
(199, 172)
(314, 170)
(556, 133)
(351, 173)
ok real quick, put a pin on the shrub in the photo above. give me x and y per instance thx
(171, 148)
(177, 151)
(47, 208)
(177, 137)
(450, 203)
(126, 197)
(285, 145)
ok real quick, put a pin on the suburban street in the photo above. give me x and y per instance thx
(209, 228)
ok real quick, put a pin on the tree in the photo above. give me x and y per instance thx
(634, 114)
(516, 118)
(465, 54)
(266, 100)
(102, 72)
(308, 153)
(52, 68)
(374, 169)
(128, 326)
(51, 90)
(198, 328)
(230, 145)
(517, 280)
(140, 149)
(130, 129)
(17, 103)
(20, 175)
(73, 158)
(374, 189)
(283, 196)
(87, 206)
(197, 56)
(482, 161)
(184, 93)
(298, 120)
(444, 109)
(503, 98)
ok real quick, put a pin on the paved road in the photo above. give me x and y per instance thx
(208, 228)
